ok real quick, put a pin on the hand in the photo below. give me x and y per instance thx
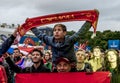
(110, 75)
(15, 32)
(5, 55)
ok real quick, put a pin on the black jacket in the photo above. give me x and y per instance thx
(6, 45)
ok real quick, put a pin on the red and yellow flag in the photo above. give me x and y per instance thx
(88, 15)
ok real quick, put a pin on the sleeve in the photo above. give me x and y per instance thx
(12, 65)
(41, 36)
(37, 33)
(6, 45)
(84, 29)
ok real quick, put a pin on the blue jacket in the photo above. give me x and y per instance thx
(6, 45)
(63, 49)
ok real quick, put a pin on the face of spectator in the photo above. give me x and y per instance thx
(16, 53)
(63, 67)
(58, 33)
(29, 56)
(36, 57)
(88, 55)
(112, 57)
(47, 56)
(97, 52)
(21, 54)
(80, 55)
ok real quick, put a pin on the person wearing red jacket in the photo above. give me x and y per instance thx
(3, 76)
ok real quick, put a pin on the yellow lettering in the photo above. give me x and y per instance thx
(59, 18)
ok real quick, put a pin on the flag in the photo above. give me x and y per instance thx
(87, 15)
(83, 46)
(25, 50)
(70, 77)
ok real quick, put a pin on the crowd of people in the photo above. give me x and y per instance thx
(60, 58)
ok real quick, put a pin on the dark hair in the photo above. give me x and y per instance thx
(107, 63)
(97, 47)
(16, 49)
(47, 53)
(37, 51)
(60, 25)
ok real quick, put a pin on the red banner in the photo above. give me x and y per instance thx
(72, 77)
(88, 15)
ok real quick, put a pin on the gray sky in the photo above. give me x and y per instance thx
(16, 11)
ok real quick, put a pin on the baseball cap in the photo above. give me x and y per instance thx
(62, 59)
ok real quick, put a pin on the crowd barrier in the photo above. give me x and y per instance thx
(70, 77)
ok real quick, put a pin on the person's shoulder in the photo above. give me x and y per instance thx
(67, 36)
(51, 37)
(91, 60)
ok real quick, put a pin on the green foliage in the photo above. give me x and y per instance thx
(70, 32)
(101, 38)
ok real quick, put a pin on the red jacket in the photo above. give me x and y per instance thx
(3, 77)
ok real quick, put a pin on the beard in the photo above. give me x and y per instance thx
(36, 62)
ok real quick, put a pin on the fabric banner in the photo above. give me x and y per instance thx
(71, 77)
(88, 15)
(27, 49)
